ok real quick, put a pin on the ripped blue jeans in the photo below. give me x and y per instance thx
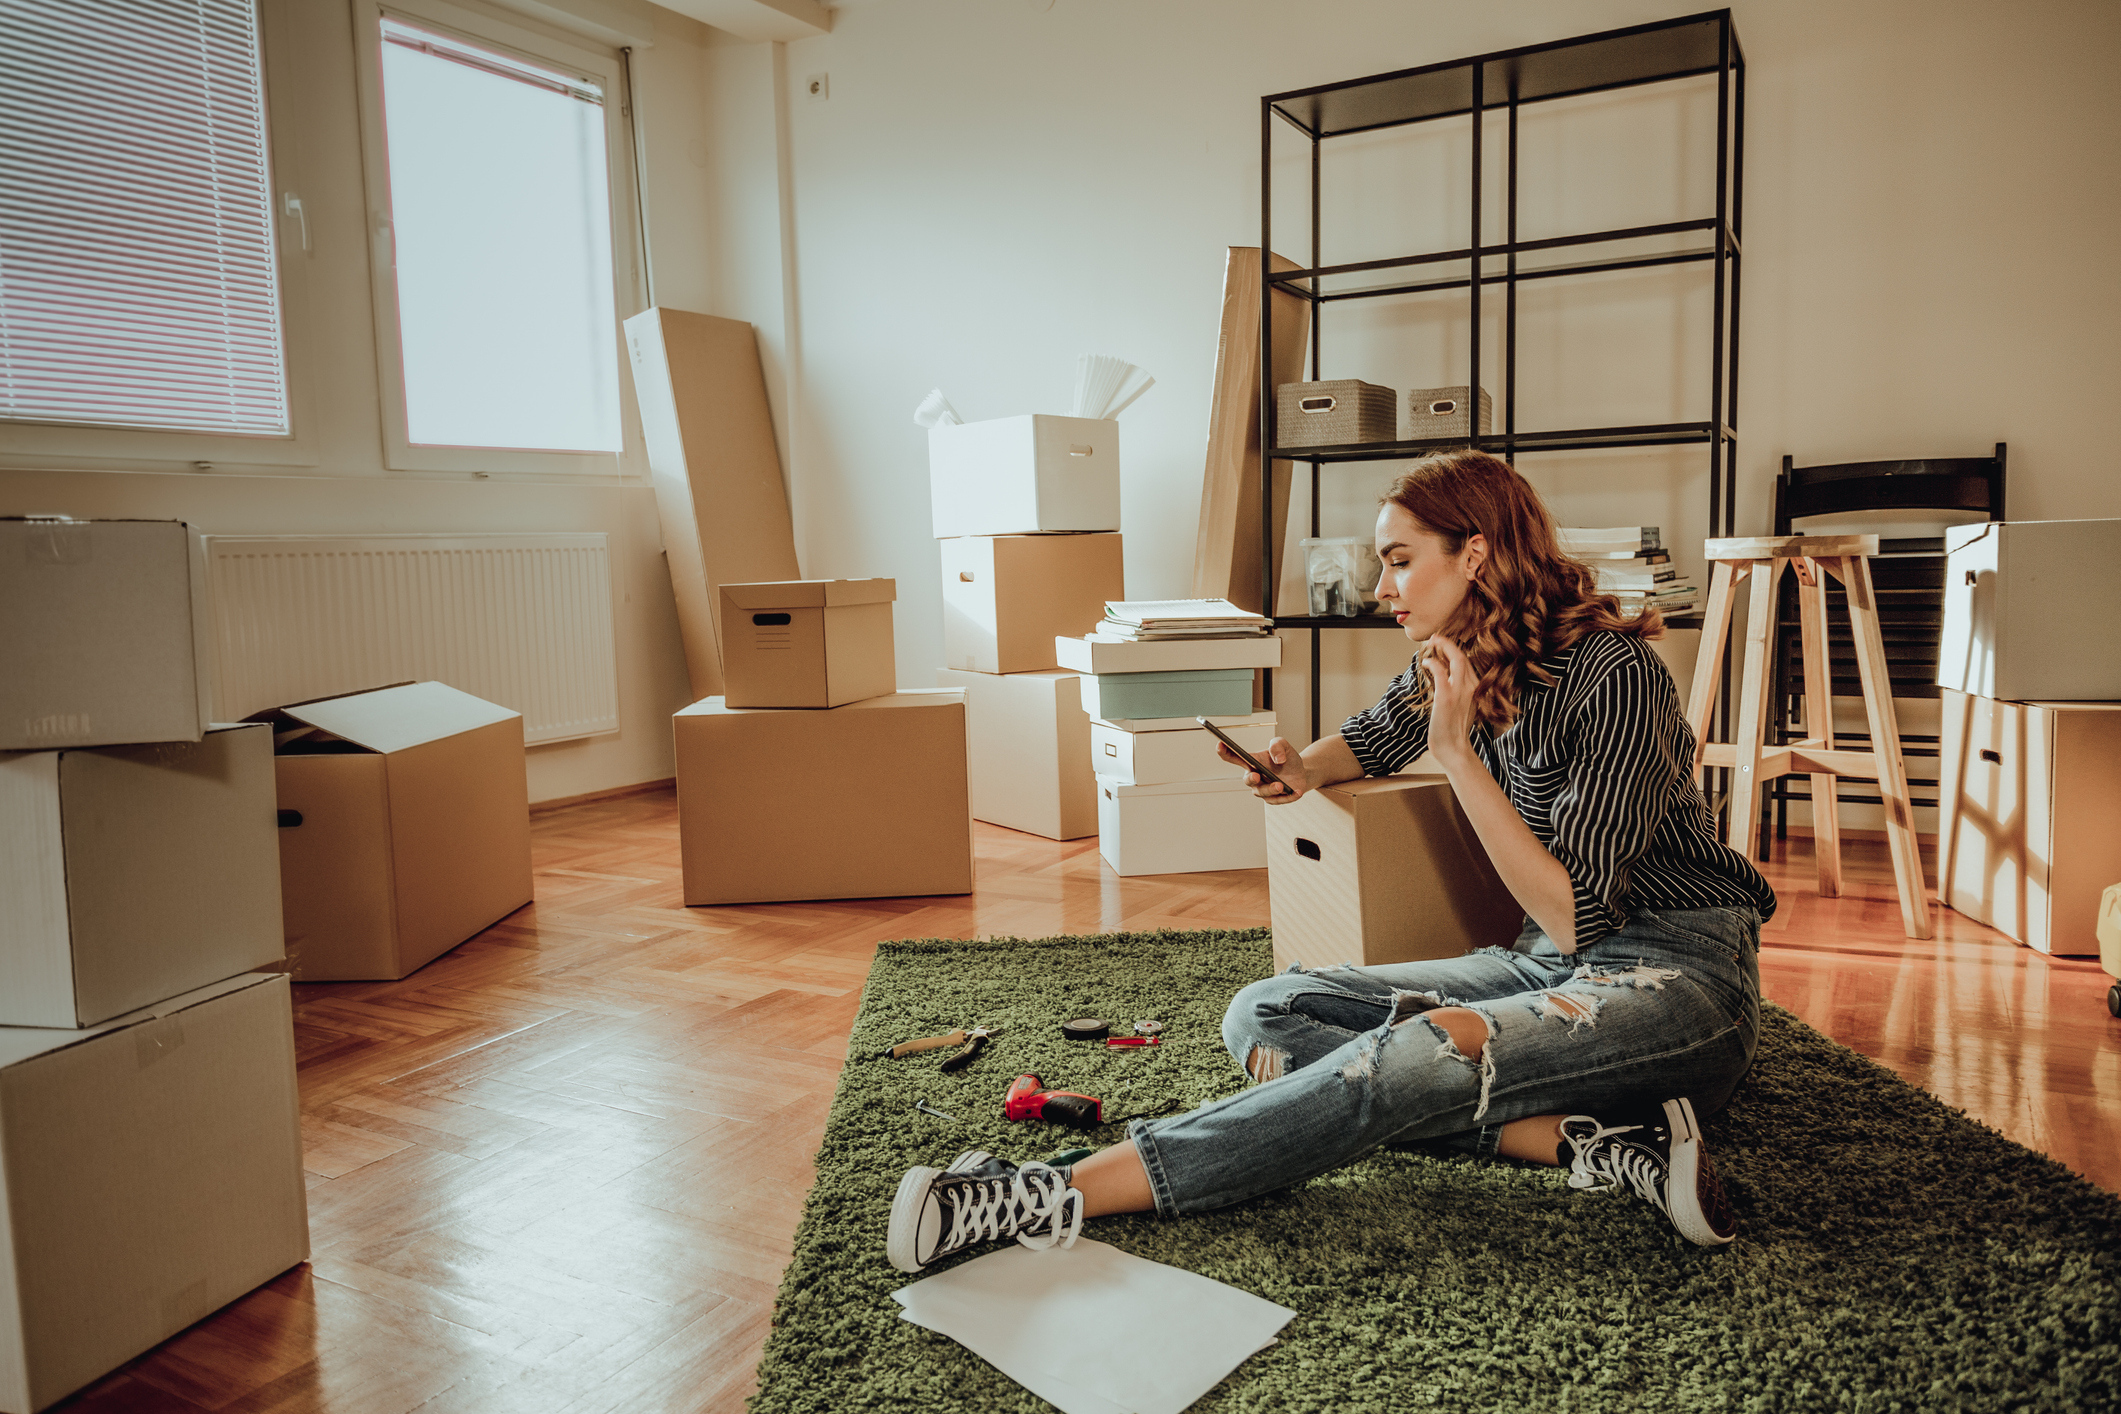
(1667, 1006)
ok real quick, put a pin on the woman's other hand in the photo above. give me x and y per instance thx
(1295, 780)
(1451, 697)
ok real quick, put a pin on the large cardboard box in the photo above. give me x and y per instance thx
(808, 642)
(133, 873)
(715, 467)
(1171, 655)
(1027, 747)
(1384, 869)
(869, 800)
(1006, 597)
(1021, 475)
(1187, 827)
(1166, 757)
(2029, 828)
(2032, 610)
(150, 1172)
(404, 827)
(103, 633)
(1207, 692)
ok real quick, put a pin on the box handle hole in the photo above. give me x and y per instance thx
(1993, 757)
(1444, 408)
(1111, 750)
(1970, 579)
(965, 576)
(1307, 849)
(1316, 404)
(1081, 449)
(290, 818)
(772, 620)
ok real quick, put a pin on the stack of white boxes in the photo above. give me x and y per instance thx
(2029, 829)
(813, 776)
(1167, 803)
(150, 1144)
(1027, 513)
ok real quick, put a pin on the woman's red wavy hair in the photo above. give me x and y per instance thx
(1528, 600)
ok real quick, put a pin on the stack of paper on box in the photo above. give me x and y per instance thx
(813, 777)
(149, 1140)
(1167, 803)
(1631, 564)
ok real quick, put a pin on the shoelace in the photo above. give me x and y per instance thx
(1616, 1164)
(1033, 1207)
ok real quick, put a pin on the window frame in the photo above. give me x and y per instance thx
(69, 446)
(595, 62)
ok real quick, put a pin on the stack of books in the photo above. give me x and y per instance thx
(1147, 620)
(1631, 564)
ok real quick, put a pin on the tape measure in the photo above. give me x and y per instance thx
(1085, 1028)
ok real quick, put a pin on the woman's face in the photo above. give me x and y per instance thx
(1422, 584)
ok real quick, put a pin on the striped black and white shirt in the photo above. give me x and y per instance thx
(1600, 765)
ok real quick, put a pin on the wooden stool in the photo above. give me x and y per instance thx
(1753, 764)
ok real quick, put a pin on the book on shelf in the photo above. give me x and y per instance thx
(1608, 540)
(1132, 620)
(1637, 579)
(1596, 558)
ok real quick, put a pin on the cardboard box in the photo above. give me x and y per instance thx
(715, 466)
(1158, 758)
(1228, 722)
(1207, 692)
(1187, 827)
(2032, 610)
(405, 827)
(2029, 828)
(869, 800)
(1006, 597)
(808, 642)
(1027, 748)
(1022, 475)
(133, 873)
(1173, 655)
(1383, 869)
(152, 1172)
(103, 631)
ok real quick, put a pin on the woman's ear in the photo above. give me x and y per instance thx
(1474, 556)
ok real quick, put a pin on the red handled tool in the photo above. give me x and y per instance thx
(1028, 1098)
(1134, 1040)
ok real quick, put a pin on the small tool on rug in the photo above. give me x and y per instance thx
(1148, 1028)
(1028, 1098)
(958, 1037)
(1134, 1040)
(927, 1109)
(975, 1042)
(1085, 1028)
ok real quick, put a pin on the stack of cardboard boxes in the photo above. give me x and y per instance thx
(1026, 510)
(812, 776)
(150, 1147)
(1166, 802)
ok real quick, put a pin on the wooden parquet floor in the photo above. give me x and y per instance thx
(560, 1169)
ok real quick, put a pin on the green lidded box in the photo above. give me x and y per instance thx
(1207, 692)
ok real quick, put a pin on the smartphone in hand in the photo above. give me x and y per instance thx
(1252, 762)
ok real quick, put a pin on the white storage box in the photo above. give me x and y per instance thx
(129, 874)
(1161, 758)
(1172, 655)
(102, 633)
(1027, 748)
(1188, 827)
(1021, 475)
(153, 1173)
(1179, 724)
(2032, 610)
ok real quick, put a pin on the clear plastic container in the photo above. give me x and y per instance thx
(1342, 573)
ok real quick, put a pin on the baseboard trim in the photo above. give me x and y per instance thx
(539, 807)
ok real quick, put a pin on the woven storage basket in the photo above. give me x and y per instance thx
(1441, 412)
(1334, 413)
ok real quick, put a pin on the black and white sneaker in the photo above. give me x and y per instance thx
(1667, 1164)
(980, 1198)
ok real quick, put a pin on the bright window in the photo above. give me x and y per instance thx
(137, 279)
(500, 233)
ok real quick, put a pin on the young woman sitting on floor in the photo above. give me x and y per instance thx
(1630, 1002)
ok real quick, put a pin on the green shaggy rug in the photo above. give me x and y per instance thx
(1893, 1255)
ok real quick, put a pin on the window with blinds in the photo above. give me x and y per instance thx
(137, 279)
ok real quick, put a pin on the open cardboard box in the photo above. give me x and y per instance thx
(103, 633)
(1024, 475)
(133, 873)
(404, 827)
(150, 1173)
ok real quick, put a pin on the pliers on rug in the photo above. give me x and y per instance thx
(975, 1042)
(971, 1040)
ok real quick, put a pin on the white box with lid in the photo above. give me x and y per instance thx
(1022, 475)
(2032, 610)
(1186, 827)
(1158, 758)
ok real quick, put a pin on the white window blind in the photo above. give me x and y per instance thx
(500, 209)
(137, 286)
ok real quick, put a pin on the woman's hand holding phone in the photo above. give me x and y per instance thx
(1288, 764)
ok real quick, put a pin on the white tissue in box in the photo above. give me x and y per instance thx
(1021, 475)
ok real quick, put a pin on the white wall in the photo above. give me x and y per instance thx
(992, 189)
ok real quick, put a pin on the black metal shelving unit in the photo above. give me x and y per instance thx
(1686, 48)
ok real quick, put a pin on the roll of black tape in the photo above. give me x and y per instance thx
(1085, 1028)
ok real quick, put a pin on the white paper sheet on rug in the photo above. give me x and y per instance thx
(1094, 1330)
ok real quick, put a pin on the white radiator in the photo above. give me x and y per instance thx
(521, 620)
